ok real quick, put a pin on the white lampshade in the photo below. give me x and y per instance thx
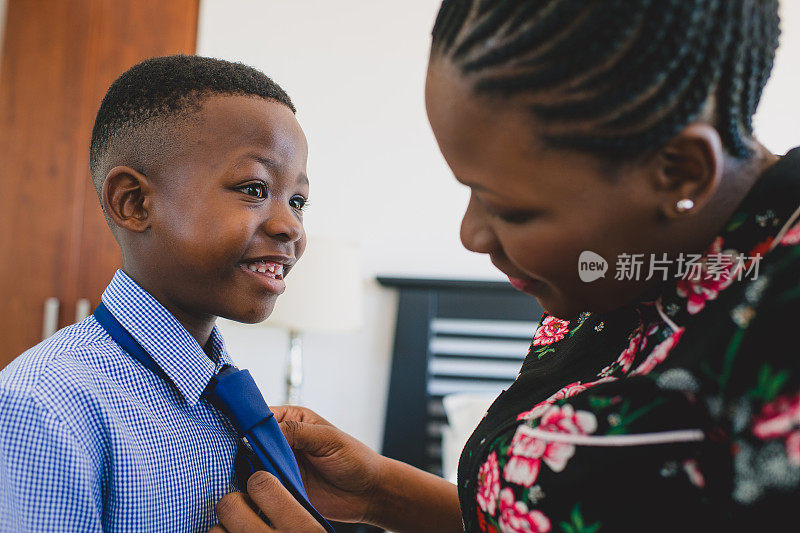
(323, 290)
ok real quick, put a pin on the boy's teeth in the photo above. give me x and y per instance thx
(262, 267)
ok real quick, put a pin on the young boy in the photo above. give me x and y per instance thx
(200, 166)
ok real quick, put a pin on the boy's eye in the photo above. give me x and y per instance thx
(256, 190)
(298, 202)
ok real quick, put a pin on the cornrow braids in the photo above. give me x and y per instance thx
(731, 103)
(527, 39)
(680, 74)
(525, 14)
(688, 100)
(617, 77)
(488, 25)
(449, 20)
(647, 68)
(604, 23)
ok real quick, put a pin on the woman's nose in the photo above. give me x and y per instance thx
(476, 235)
(284, 224)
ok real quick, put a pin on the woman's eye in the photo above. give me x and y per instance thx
(298, 202)
(516, 217)
(256, 190)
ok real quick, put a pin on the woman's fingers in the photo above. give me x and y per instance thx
(237, 516)
(313, 439)
(298, 414)
(280, 507)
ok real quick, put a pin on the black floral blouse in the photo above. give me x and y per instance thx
(679, 413)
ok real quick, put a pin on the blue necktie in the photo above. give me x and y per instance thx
(234, 392)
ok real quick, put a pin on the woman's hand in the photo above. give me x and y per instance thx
(349, 482)
(340, 474)
(238, 512)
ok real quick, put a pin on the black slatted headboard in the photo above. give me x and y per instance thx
(451, 336)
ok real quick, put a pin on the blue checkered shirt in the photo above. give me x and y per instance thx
(91, 440)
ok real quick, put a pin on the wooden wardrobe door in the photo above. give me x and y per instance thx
(130, 31)
(58, 59)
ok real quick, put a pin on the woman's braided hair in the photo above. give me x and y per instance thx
(617, 77)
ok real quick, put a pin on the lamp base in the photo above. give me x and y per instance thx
(294, 369)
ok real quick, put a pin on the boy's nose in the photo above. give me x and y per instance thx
(283, 224)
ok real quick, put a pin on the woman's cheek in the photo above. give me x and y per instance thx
(547, 255)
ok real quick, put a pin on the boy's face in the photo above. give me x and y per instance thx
(226, 221)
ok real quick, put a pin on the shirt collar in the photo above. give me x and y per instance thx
(164, 338)
(750, 230)
(767, 207)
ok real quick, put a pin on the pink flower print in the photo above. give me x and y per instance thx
(567, 391)
(778, 418)
(793, 447)
(694, 474)
(537, 411)
(565, 419)
(522, 470)
(717, 271)
(527, 451)
(781, 419)
(488, 484)
(570, 390)
(625, 359)
(550, 330)
(760, 249)
(484, 526)
(652, 328)
(792, 236)
(515, 517)
(526, 454)
(659, 354)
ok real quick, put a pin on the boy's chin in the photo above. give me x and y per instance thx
(252, 315)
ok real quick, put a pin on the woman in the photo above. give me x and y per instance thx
(664, 395)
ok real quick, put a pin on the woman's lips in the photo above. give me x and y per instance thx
(525, 285)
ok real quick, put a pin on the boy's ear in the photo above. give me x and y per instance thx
(126, 198)
(690, 167)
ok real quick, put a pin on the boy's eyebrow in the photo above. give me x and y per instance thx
(271, 164)
(266, 161)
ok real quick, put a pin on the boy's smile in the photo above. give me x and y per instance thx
(224, 221)
(267, 271)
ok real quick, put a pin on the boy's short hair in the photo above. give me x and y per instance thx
(142, 105)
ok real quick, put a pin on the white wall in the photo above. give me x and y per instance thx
(355, 70)
(777, 123)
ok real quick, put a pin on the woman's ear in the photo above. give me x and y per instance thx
(689, 169)
(126, 198)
